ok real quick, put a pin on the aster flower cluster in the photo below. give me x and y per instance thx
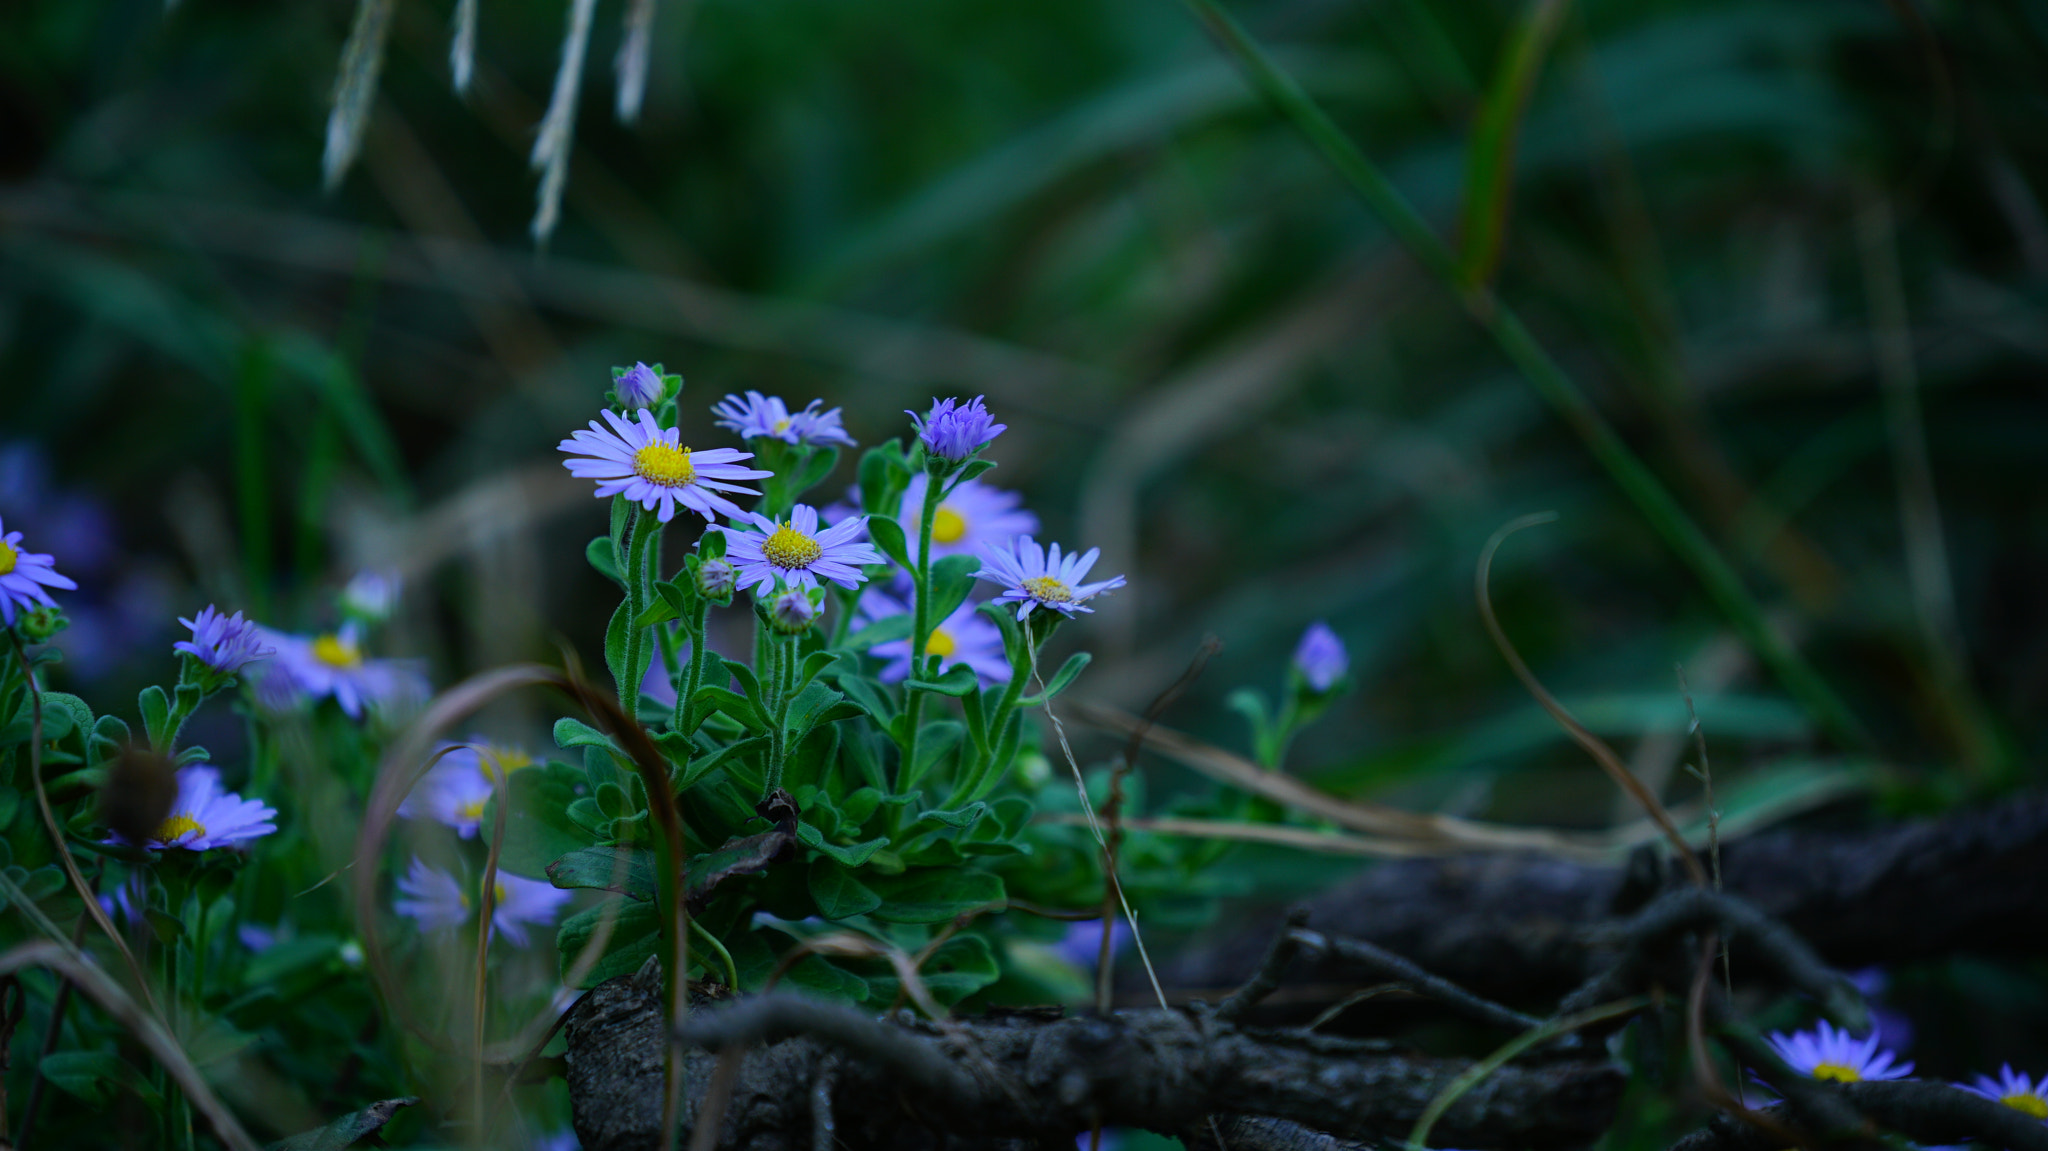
(1834, 1055)
(26, 577)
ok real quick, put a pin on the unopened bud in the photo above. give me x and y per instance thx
(792, 612)
(716, 577)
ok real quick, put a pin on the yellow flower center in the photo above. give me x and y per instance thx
(666, 464)
(1047, 589)
(473, 810)
(499, 762)
(948, 525)
(2032, 1105)
(941, 644)
(1839, 1072)
(170, 830)
(781, 426)
(790, 549)
(498, 893)
(334, 651)
(7, 558)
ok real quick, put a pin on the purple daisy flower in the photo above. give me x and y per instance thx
(436, 899)
(953, 430)
(970, 517)
(767, 416)
(455, 790)
(24, 575)
(225, 643)
(333, 664)
(797, 552)
(639, 387)
(204, 816)
(1830, 1053)
(647, 464)
(1320, 657)
(966, 637)
(2028, 1096)
(1033, 579)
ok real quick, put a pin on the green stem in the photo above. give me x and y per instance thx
(699, 621)
(1650, 496)
(645, 530)
(920, 632)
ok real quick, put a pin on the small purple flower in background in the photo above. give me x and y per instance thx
(2026, 1095)
(559, 1141)
(1082, 946)
(649, 465)
(953, 430)
(1030, 577)
(768, 417)
(435, 899)
(225, 643)
(797, 552)
(333, 664)
(370, 596)
(793, 612)
(638, 387)
(1320, 657)
(455, 790)
(966, 637)
(24, 575)
(257, 937)
(204, 816)
(1830, 1053)
(970, 517)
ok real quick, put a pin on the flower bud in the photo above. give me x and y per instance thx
(41, 624)
(792, 612)
(1320, 657)
(370, 596)
(716, 577)
(638, 387)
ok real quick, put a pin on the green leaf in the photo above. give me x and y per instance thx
(679, 596)
(837, 893)
(345, 1131)
(703, 765)
(94, 1075)
(604, 556)
(617, 643)
(625, 870)
(815, 469)
(963, 817)
(960, 967)
(660, 611)
(155, 704)
(952, 582)
(934, 895)
(887, 535)
(1061, 679)
(813, 666)
(884, 474)
(959, 680)
(814, 705)
(750, 685)
(711, 546)
(971, 469)
(635, 936)
(538, 829)
(884, 630)
(853, 856)
(575, 733)
(855, 809)
(732, 703)
(1490, 156)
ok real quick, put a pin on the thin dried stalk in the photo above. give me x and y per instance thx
(558, 128)
(355, 88)
(630, 66)
(462, 47)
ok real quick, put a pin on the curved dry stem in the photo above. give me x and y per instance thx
(486, 906)
(64, 856)
(1594, 745)
(74, 966)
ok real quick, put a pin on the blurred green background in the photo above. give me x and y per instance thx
(1795, 254)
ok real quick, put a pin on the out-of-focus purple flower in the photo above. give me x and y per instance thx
(370, 596)
(204, 816)
(965, 637)
(125, 900)
(768, 417)
(648, 464)
(333, 664)
(1082, 946)
(796, 552)
(225, 643)
(1829, 1053)
(1893, 1028)
(970, 517)
(24, 575)
(2015, 1089)
(638, 387)
(455, 790)
(564, 1140)
(72, 524)
(953, 431)
(1320, 657)
(1032, 579)
(435, 899)
(257, 937)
